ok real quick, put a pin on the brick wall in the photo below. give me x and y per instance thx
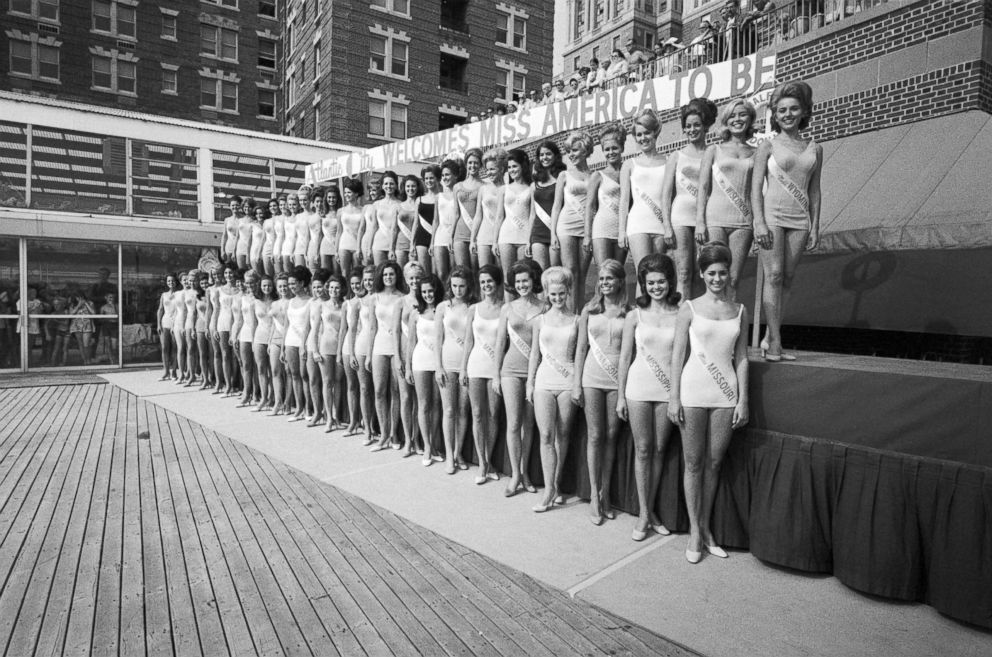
(75, 20)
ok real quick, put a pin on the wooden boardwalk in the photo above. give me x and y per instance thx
(128, 530)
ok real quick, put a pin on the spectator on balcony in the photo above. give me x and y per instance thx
(755, 29)
(668, 62)
(616, 71)
(530, 100)
(636, 59)
(546, 98)
(583, 76)
(573, 87)
(730, 13)
(701, 49)
(559, 92)
(592, 75)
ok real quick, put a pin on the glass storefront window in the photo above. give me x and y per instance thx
(13, 164)
(10, 281)
(78, 172)
(144, 269)
(164, 180)
(289, 176)
(240, 175)
(73, 303)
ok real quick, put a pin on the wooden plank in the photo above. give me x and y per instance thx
(239, 547)
(24, 542)
(285, 564)
(481, 615)
(63, 538)
(210, 633)
(106, 629)
(351, 629)
(11, 404)
(158, 625)
(185, 640)
(28, 452)
(16, 434)
(230, 612)
(132, 624)
(243, 515)
(425, 603)
(81, 619)
(51, 635)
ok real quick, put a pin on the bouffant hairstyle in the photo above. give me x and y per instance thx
(520, 158)
(396, 179)
(456, 169)
(495, 273)
(613, 131)
(497, 155)
(355, 186)
(799, 90)
(416, 181)
(556, 276)
(322, 275)
(529, 267)
(704, 108)
(582, 139)
(474, 152)
(379, 285)
(728, 110)
(647, 118)
(301, 274)
(713, 253)
(657, 263)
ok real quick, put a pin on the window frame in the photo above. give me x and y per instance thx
(114, 72)
(390, 107)
(389, 55)
(174, 74)
(220, 84)
(513, 19)
(275, 53)
(275, 108)
(218, 41)
(389, 7)
(166, 19)
(34, 50)
(114, 19)
(34, 11)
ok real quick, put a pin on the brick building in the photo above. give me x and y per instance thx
(364, 73)
(212, 60)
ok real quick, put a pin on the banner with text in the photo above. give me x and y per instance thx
(737, 77)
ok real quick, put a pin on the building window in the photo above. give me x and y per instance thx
(291, 89)
(511, 30)
(445, 120)
(168, 27)
(47, 10)
(453, 15)
(267, 8)
(218, 42)
(115, 74)
(266, 53)
(115, 18)
(267, 103)
(387, 118)
(170, 81)
(39, 61)
(453, 73)
(316, 122)
(400, 7)
(221, 95)
(580, 20)
(511, 85)
(233, 4)
(388, 56)
(316, 61)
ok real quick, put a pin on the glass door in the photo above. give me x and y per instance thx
(72, 303)
(10, 292)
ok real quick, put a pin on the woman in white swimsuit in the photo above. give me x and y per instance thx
(643, 225)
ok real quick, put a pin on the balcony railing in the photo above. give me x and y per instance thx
(748, 34)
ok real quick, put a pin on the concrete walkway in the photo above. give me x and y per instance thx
(733, 607)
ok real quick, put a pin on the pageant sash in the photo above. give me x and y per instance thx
(799, 195)
(735, 196)
(542, 214)
(517, 341)
(727, 389)
(603, 360)
(407, 233)
(463, 214)
(426, 225)
(564, 369)
(686, 183)
(658, 372)
(652, 205)
(489, 349)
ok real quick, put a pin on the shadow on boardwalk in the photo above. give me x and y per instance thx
(126, 529)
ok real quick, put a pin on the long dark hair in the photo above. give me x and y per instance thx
(551, 173)
(433, 279)
(379, 286)
(523, 161)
